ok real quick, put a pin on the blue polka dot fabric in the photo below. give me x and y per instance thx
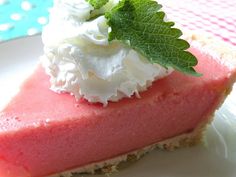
(22, 17)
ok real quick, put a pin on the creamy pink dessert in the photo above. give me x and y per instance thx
(44, 133)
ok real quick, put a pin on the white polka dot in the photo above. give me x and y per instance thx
(6, 27)
(26, 5)
(3, 2)
(16, 17)
(32, 31)
(42, 20)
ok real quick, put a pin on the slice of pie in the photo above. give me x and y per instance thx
(44, 133)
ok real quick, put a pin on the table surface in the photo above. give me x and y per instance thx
(27, 17)
(21, 17)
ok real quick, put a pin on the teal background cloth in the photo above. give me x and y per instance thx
(22, 17)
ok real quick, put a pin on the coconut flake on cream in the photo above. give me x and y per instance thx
(81, 61)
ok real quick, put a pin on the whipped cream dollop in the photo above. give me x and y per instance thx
(81, 61)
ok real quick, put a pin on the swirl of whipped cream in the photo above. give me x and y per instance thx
(81, 61)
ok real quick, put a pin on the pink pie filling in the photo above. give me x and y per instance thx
(42, 132)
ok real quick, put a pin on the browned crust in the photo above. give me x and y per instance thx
(227, 55)
(223, 52)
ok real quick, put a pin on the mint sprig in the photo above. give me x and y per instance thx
(141, 25)
(97, 4)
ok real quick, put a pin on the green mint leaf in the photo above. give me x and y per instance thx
(141, 25)
(97, 4)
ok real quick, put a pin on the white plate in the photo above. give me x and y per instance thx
(216, 158)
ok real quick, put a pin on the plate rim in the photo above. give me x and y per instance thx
(18, 38)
